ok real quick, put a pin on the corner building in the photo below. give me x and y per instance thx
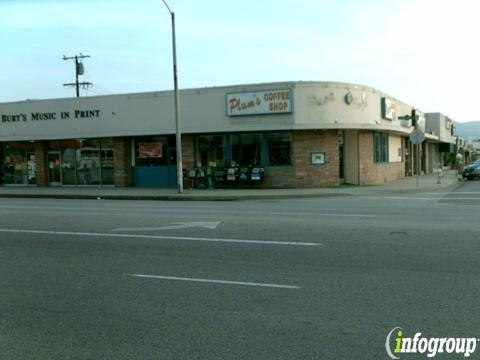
(304, 134)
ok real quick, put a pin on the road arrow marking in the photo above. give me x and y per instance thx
(176, 226)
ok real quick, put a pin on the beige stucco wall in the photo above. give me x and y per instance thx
(440, 125)
(316, 105)
(395, 149)
(325, 102)
(351, 157)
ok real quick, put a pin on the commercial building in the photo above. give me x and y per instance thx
(436, 151)
(303, 134)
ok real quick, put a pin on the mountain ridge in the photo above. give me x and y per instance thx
(468, 130)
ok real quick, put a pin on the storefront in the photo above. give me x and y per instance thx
(19, 165)
(440, 142)
(300, 134)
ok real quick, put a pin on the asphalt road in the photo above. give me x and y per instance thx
(323, 278)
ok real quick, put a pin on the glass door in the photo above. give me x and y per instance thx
(31, 168)
(54, 173)
(341, 155)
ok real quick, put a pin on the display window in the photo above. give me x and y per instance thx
(243, 149)
(80, 162)
(88, 162)
(211, 150)
(246, 149)
(279, 148)
(151, 151)
(19, 166)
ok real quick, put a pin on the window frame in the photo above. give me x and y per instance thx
(380, 147)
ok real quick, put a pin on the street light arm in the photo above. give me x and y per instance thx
(168, 7)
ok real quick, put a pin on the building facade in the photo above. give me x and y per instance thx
(303, 134)
(439, 151)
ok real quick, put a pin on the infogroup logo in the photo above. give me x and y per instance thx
(397, 343)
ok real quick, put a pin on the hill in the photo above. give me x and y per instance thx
(467, 130)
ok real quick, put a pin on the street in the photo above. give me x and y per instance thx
(323, 278)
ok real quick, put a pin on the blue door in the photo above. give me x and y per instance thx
(155, 176)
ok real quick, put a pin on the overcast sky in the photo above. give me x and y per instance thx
(423, 52)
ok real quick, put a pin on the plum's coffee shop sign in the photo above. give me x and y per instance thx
(260, 102)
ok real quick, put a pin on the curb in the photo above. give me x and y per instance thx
(353, 191)
(436, 187)
(171, 197)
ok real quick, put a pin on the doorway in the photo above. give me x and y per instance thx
(341, 156)
(54, 170)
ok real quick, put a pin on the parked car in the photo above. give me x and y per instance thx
(472, 171)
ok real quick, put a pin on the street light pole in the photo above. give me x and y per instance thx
(178, 134)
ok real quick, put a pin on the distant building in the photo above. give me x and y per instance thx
(443, 127)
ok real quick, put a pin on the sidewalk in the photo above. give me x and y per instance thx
(427, 183)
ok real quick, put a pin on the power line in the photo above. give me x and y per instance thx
(79, 70)
(102, 90)
(94, 92)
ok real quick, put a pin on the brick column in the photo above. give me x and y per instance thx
(308, 175)
(122, 162)
(40, 148)
(187, 151)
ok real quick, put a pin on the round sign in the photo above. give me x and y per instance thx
(417, 136)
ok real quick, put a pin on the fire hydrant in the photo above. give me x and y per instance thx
(439, 176)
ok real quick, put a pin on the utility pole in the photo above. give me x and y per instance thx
(79, 70)
(417, 136)
(419, 145)
(178, 131)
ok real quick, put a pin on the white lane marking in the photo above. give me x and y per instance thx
(176, 226)
(410, 198)
(457, 192)
(182, 238)
(432, 198)
(212, 281)
(459, 198)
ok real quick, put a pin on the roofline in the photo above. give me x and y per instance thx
(293, 84)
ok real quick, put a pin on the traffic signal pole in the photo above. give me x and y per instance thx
(414, 118)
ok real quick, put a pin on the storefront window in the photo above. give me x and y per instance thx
(106, 157)
(246, 149)
(31, 165)
(211, 150)
(88, 162)
(279, 148)
(80, 162)
(380, 147)
(151, 151)
(15, 167)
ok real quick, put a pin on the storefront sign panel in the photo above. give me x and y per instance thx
(389, 109)
(260, 102)
(37, 116)
(150, 150)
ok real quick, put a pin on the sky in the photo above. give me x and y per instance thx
(424, 52)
